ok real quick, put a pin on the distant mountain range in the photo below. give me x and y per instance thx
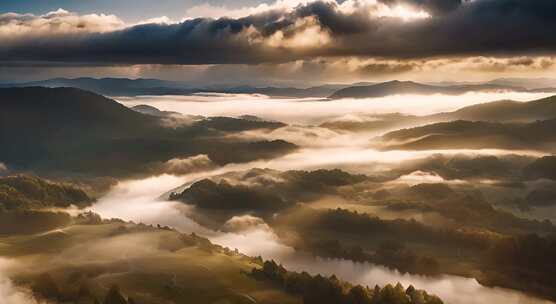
(113, 86)
(136, 87)
(528, 83)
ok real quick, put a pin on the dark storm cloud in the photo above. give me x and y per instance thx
(387, 68)
(316, 29)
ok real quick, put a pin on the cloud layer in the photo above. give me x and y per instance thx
(288, 31)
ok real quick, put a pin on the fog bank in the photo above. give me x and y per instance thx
(314, 111)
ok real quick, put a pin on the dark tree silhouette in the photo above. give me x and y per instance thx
(114, 296)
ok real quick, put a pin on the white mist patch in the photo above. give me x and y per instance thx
(245, 223)
(420, 177)
(143, 200)
(262, 243)
(313, 111)
(138, 201)
(363, 159)
(308, 136)
(10, 294)
(182, 166)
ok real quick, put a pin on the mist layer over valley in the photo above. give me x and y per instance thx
(367, 191)
(316, 110)
(489, 173)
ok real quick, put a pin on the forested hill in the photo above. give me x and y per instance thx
(69, 130)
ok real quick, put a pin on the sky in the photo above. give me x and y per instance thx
(128, 10)
(278, 41)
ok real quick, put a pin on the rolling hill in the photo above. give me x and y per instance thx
(74, 131)
(504, 111)
(462, 134)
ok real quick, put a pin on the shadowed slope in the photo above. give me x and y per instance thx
(71, 130)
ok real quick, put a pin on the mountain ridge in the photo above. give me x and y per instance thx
(112, 86)
(397, 87)
(72, 130)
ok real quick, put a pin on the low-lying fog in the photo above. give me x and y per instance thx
(10, 294)
(314, 111)
(140, 201)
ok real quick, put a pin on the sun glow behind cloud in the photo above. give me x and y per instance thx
(373, 7)
(403, 12)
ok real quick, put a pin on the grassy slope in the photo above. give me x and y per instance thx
(158, 267)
